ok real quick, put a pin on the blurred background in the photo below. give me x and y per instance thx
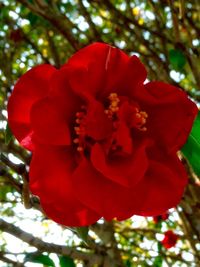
(165, 35)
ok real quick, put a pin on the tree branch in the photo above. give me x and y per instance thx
(48, 247)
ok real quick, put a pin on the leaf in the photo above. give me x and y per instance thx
(4, 190)
(82, 233)
(39, 258)
(158, 261)
(177, 59)
(32, 18)
(8, 134)
(160, 247)
(191, 150)
(66, 261)
(128, 263)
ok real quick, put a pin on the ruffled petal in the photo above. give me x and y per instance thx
(160, 189)
(50, 179)
(99, 69)
(101, 194)
(132, 75)
(171, 114)
(166, 180)
(61, 215)
(49, 123)
(124, 171)
(31, 87)
(61, 92)
(97, 124)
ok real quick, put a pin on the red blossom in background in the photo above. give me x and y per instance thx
(104, 143)
(170, 239)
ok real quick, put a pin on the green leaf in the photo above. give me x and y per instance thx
(4, 190)
(39, 258)
(159, 246)
(8, 134)
(158, 261)
(66, 261)
(191, 150)
(177, 59)
(32, 18)
(128, 263)
(83, 233)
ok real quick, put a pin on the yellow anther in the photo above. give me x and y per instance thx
(114, 103)
(143, 120)
(78, 121)
(138, 115)
(114, 109)
(113, 96)
(143, 129)
(144, 114)
(76, 140)
(79, 148)
(77, 129)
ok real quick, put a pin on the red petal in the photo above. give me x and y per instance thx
(102, 67)
(61, 92)
(98, 126)
(61, 215)
(133, 74)
(165, 180)
(49, 123)
(31, 87)
(124, 171)
(171, 114)
(123, 138)
(161, 189)
(106, 197)
(50, 179)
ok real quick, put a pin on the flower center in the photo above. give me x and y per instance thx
(120, 114)
(80, 129)
(136, 117)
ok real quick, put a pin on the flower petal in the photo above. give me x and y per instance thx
(49, 123)
(165, 180)
(124, 171)
(171, 114)
(101, 194)
(150, 197)
(132, 75)
(97, 124)
(31, 87)
(102, 66)
(61, 92)
(50, 179)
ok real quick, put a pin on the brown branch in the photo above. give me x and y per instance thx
(7, 260)
(53, 49)
(21, 170)
(87, 16)
(48, 247)
(8, 177)
(175, 22)
(18, 168)
(58, 20)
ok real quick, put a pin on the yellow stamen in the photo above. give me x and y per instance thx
(79, 148)
(113, 107)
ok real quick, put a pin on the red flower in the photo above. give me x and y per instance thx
(104, 143)
(161, 217)
(170, 239)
